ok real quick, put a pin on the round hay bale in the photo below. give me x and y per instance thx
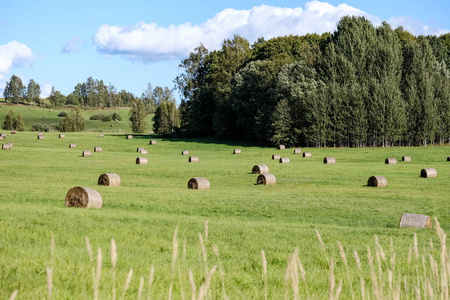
(185, 152)
(13, 131)
(5, 147)
(390, 161)
(98, 149)
(86, 153)
(193, 159)
(129, 137)
(72, 145)
(406, 158)
(237, 151)
(83, 197)
(40, 133)
(100, 135)
(10, 145)
(306, 154)
(428, 173)
(329, 160)
(284, 160)
(139, 149)
(1, 138)
(266, 179)
(377, 181)
(276, 156)
(143, 151)
(260, 169)
(281, 147)
(109, 179)
(152, 142)
(61, 136)
(151, 132)
(3, 135)
(40, 137)
(415, 221)
(297, 151)
(199, 183)
(141, 161)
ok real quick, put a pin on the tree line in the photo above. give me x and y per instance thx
(358, 86)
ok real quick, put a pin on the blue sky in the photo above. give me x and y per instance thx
(134, 42)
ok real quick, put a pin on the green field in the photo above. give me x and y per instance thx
(243, 218)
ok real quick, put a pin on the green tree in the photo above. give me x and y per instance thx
(282, 124)
(33, 92)
(56, 98)
(8, 124)
(73, 122)
(138, 117)
(166, 119)
(18, 123)
(14, 90)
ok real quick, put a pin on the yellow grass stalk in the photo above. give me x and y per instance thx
(141, 287)
(49, 283)
(89, 249)
(294, 274)
(331, 282)
(205, 286)
(113, 264)
(375, 289)
(444, 272)
(338, 290)
(174, 259)
(430, 289)
(264, 264)
(418, 294)
(150, 282)
(380, 272)
(415, 248)
(204, 255)
(13, 295)
(193, 287)
(434, 268)
(344, 260)
(98, 273)
(222, 273)
(361, 279)
(322, 245)
(127, 283)
(431, 245)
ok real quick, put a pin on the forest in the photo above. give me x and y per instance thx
(359, 86)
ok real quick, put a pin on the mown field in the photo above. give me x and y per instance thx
(243, 218)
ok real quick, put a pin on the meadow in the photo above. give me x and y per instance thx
(176, 240)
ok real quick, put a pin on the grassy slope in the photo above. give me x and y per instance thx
(244, 218)
(34, 115)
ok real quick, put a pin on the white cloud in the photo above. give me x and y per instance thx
(46, 88)
(149, 42)
(73, 45)
(416, 27)
(14, 54)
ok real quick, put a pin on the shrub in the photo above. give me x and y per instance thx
(107, 118)
(41, 127)
(116, 116)
(63, 114)
(98, 116)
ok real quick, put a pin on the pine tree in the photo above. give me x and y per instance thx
(9, 121)
(18, 123)
(282, 124)
(138, 116)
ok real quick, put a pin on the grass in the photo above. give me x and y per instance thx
(49, 117)
(243, 219)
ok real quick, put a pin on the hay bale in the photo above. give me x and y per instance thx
(72, 145)
(260, 169)
(415, 221)
(151, 132)
(185, 152)
(390, 161)
(3, 135)
(83, 197)
(143, 151)
(10, 145)
(152, 142)
(237, 151)
(329, 160)
(377, 181)
(284, 160)
(198, 183)
(98, 149)
(5, 147)
(138, 149)
(276, 156)
(1, 138)
(40, 137)
(86, 153)
(40, 133)
(406, 158)
(13, 131)
(297, 151)
(141, 161)
(266, 179)
(109, 179)
(428, 173)
(306, 154)
(61, 136)
(193, 159)
(100, 135)
(281, 147)
(129, 137)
